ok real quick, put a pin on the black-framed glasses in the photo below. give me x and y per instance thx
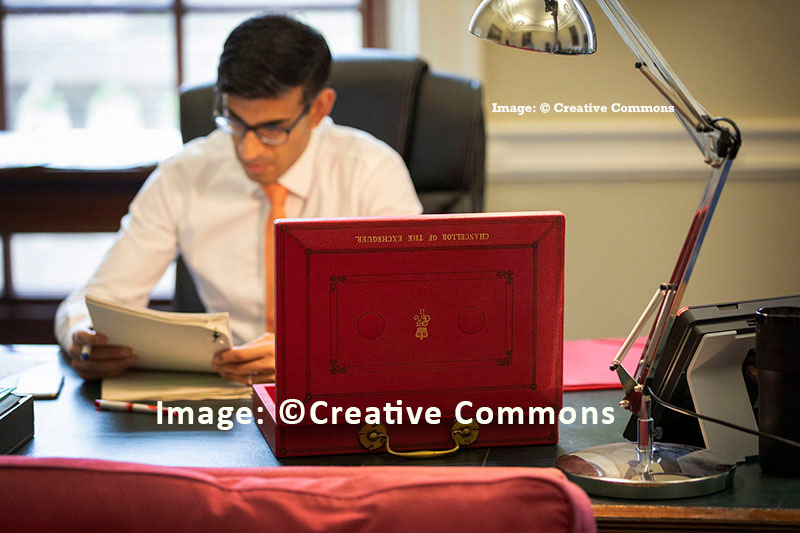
(267, 133)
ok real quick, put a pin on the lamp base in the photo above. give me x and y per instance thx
(620, 470)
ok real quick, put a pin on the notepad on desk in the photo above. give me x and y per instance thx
(154, 385)
(162, 340)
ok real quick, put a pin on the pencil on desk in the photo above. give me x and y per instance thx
(5, 392)
(131, 407)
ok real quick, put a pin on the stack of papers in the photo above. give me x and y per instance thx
(181, 345)
(141, 385)
(162, 341)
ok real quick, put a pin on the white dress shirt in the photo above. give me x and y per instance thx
(201, 204)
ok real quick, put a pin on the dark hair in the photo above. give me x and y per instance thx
(268, 55)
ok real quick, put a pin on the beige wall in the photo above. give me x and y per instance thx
(628, 209)
(623, 239)
(737, 57)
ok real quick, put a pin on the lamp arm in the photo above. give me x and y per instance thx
(700, 127)
(672, 292)
(667, 299)
(719, 147)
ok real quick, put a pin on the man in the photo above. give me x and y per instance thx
(211, 201)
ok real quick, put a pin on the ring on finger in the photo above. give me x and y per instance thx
(250, 377)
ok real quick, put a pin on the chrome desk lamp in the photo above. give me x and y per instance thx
(645, 469)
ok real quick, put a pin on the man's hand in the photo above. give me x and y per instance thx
(93, 358)
(253, 362)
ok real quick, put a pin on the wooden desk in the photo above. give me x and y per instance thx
(70, 427)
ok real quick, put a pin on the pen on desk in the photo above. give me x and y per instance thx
(131, 407)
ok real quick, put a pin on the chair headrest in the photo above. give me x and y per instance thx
(387, 108)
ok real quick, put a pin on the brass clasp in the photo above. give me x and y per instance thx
(375, 437)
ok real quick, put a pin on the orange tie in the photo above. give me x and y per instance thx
(277, 199)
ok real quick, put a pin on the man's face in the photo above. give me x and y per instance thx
(265, 163)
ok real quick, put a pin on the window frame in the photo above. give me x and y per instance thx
(373, 16)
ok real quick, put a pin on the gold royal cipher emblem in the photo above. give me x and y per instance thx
(422, 324)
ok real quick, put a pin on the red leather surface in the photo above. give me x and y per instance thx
(429, 310)
(91, 495)
(290, 440)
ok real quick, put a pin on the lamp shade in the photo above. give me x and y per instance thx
(552, 26)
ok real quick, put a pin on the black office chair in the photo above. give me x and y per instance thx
(433, 120)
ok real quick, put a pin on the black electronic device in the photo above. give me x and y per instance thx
(723, 336)
(16, 420)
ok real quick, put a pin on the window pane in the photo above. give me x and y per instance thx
(274, 3)
(88, 149)
(101, 71)
(342, 29)
(91, 3)
(53, 264)
(205, 34)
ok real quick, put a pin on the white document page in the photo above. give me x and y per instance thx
(162, 340)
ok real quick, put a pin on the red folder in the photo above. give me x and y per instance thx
(416, 312)
(587, 362)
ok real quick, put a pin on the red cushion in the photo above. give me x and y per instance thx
(81, 494)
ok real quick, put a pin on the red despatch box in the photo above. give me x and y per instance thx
(418, 312)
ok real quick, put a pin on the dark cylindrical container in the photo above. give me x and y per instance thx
(778, 363)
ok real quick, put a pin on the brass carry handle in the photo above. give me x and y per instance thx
(375, 436)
